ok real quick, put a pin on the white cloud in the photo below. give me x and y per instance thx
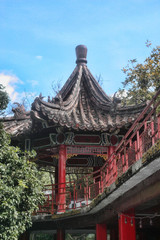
(39, 57)
(9, 81)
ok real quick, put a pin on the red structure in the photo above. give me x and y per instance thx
(62, 179)
(101, 231)
(127, 226)
(140, 138)
(115, 148)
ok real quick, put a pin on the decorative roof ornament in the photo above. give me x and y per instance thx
(81, 53)
(40, 96)
(19, 111)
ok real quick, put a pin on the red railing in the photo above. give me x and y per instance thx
(142, 135)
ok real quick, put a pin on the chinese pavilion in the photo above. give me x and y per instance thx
(80, 127)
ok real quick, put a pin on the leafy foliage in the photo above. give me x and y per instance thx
(20, 189)
(4, 99)
(142, 80)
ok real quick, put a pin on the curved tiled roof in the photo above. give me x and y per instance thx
(18, 124)
(17, 127)
(82, 104)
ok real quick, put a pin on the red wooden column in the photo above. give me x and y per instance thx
(159, 126)
(127, 228)
(101, 231)
(56, 184)
(60, 234)
(113, 174)
(111, 150)
(62, 178)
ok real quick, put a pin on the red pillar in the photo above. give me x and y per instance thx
(62, 179)
(56, 184)
(101, 231)
(60, 234)
(111, 177)
(159, 126)
(111, 150)
(127, 228)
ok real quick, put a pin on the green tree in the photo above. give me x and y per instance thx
(20, 186)
(142, 79)
(4, 99)
(20, 189)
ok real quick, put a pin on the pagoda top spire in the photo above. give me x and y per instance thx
(81, 53)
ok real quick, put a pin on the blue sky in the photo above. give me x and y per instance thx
(38, 40)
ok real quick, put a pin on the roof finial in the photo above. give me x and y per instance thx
(81, 53)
